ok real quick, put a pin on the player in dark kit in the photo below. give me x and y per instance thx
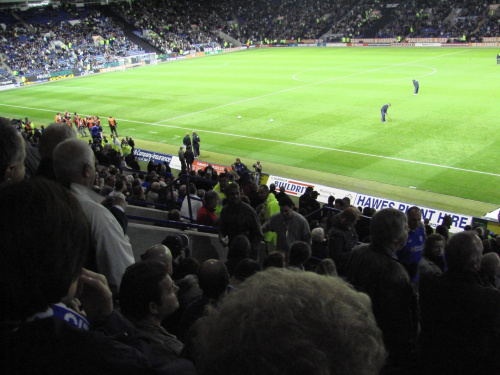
(383, 110)
(415, 85)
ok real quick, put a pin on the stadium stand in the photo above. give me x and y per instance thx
(43, 39)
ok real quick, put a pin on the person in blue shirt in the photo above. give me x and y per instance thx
(95, 132)
(384, 111)
(411, 253)
(415, 85)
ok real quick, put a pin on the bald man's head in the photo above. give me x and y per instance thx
(159, 252)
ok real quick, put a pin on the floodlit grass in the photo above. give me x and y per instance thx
(325, 103)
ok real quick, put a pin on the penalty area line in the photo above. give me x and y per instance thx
(290, 143)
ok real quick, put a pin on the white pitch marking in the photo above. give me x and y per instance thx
(301, 145)
(322, 148)
(153, 132)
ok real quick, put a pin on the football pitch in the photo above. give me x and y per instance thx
(325, 105)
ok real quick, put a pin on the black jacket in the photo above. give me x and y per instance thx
(189, 155)
(460, 325)
(52, 346)
(376, 272)
(342, 239)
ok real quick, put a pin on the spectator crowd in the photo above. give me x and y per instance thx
(44, 40)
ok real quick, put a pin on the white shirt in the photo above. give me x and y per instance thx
(196, 204)
(113, 251)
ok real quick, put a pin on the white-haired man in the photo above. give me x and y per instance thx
(280, 335)
(74, 166)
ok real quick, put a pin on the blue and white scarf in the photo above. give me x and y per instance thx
(61, 311)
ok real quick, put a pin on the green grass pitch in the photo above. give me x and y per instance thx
(325, 103)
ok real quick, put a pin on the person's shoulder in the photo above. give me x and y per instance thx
(491, 294)
(371, 252)
(83, 193)
(300, 218)
(424, 263)
(247, 207)
(104, 216)
(362, 248)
